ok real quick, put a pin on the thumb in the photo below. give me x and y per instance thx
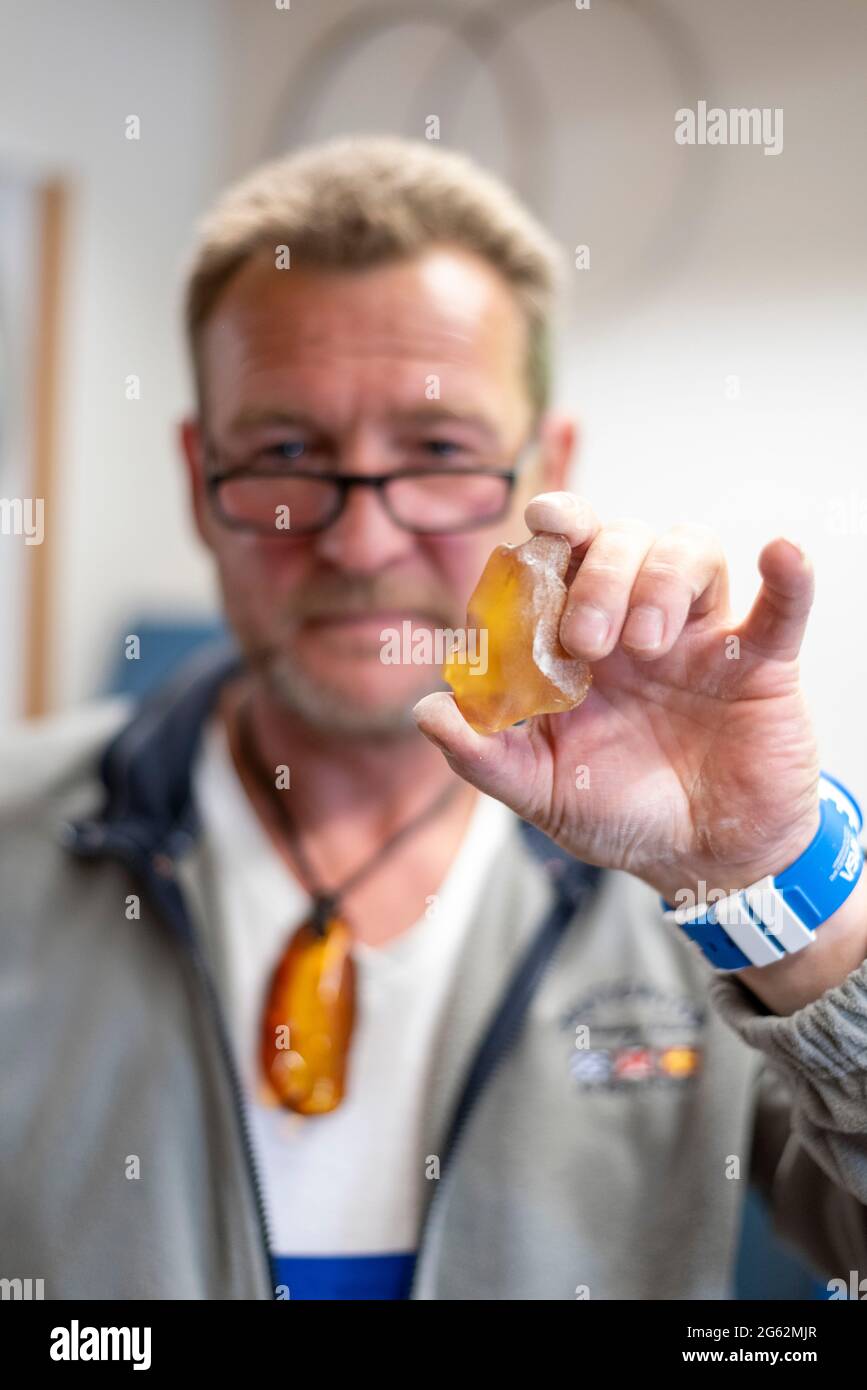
(497, 764)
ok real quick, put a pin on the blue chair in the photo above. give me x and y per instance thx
(164, 645)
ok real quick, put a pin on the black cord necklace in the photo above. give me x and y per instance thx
(326, 902)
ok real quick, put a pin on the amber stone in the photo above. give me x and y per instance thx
(307, 1020)
(515, 611)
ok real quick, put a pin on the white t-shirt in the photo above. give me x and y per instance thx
(342, 1191)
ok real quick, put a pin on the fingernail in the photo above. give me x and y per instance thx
(643, 629)
(587, 627)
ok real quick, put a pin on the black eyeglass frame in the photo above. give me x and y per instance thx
(345, 481)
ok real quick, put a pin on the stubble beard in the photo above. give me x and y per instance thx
(332, 712)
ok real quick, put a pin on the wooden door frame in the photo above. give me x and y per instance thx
(52, 207)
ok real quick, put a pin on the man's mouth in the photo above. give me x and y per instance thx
(377, 619)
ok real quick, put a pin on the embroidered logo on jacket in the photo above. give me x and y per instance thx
(625, 1034)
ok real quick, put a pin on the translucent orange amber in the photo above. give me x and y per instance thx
(307, 1020)
(516, 609)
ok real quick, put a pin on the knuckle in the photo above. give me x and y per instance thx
(662, 571)
(600, 574)
(696, 530)
(630, 526)
(693, 539)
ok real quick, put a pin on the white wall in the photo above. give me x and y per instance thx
(706, 263)
(69, 77)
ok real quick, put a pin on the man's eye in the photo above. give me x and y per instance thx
(288, 449)
(276, 456)
(443, 448)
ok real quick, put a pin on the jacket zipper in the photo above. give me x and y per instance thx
(241, 1116)
(132, 854)
(503, 1032)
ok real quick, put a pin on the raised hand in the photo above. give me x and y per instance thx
(693, 758)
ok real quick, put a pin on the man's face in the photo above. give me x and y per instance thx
(344, 368)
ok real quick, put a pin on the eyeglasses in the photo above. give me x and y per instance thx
(268, 496)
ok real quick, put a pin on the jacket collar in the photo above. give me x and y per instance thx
(146, 776)
(146, 769)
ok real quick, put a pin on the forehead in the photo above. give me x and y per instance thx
(441, 328)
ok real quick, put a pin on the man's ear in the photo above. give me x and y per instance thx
(558, 441)
(190, 440)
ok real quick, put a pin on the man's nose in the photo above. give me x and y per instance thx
(364, 538)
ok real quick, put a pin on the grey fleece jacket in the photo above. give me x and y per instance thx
(615, 1169)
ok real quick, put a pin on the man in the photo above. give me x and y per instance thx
(490, 1070)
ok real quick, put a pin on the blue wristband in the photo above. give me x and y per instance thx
(779, 914)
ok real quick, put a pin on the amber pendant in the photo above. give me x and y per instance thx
(308, 1017)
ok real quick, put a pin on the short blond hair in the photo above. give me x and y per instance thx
(362, 201)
